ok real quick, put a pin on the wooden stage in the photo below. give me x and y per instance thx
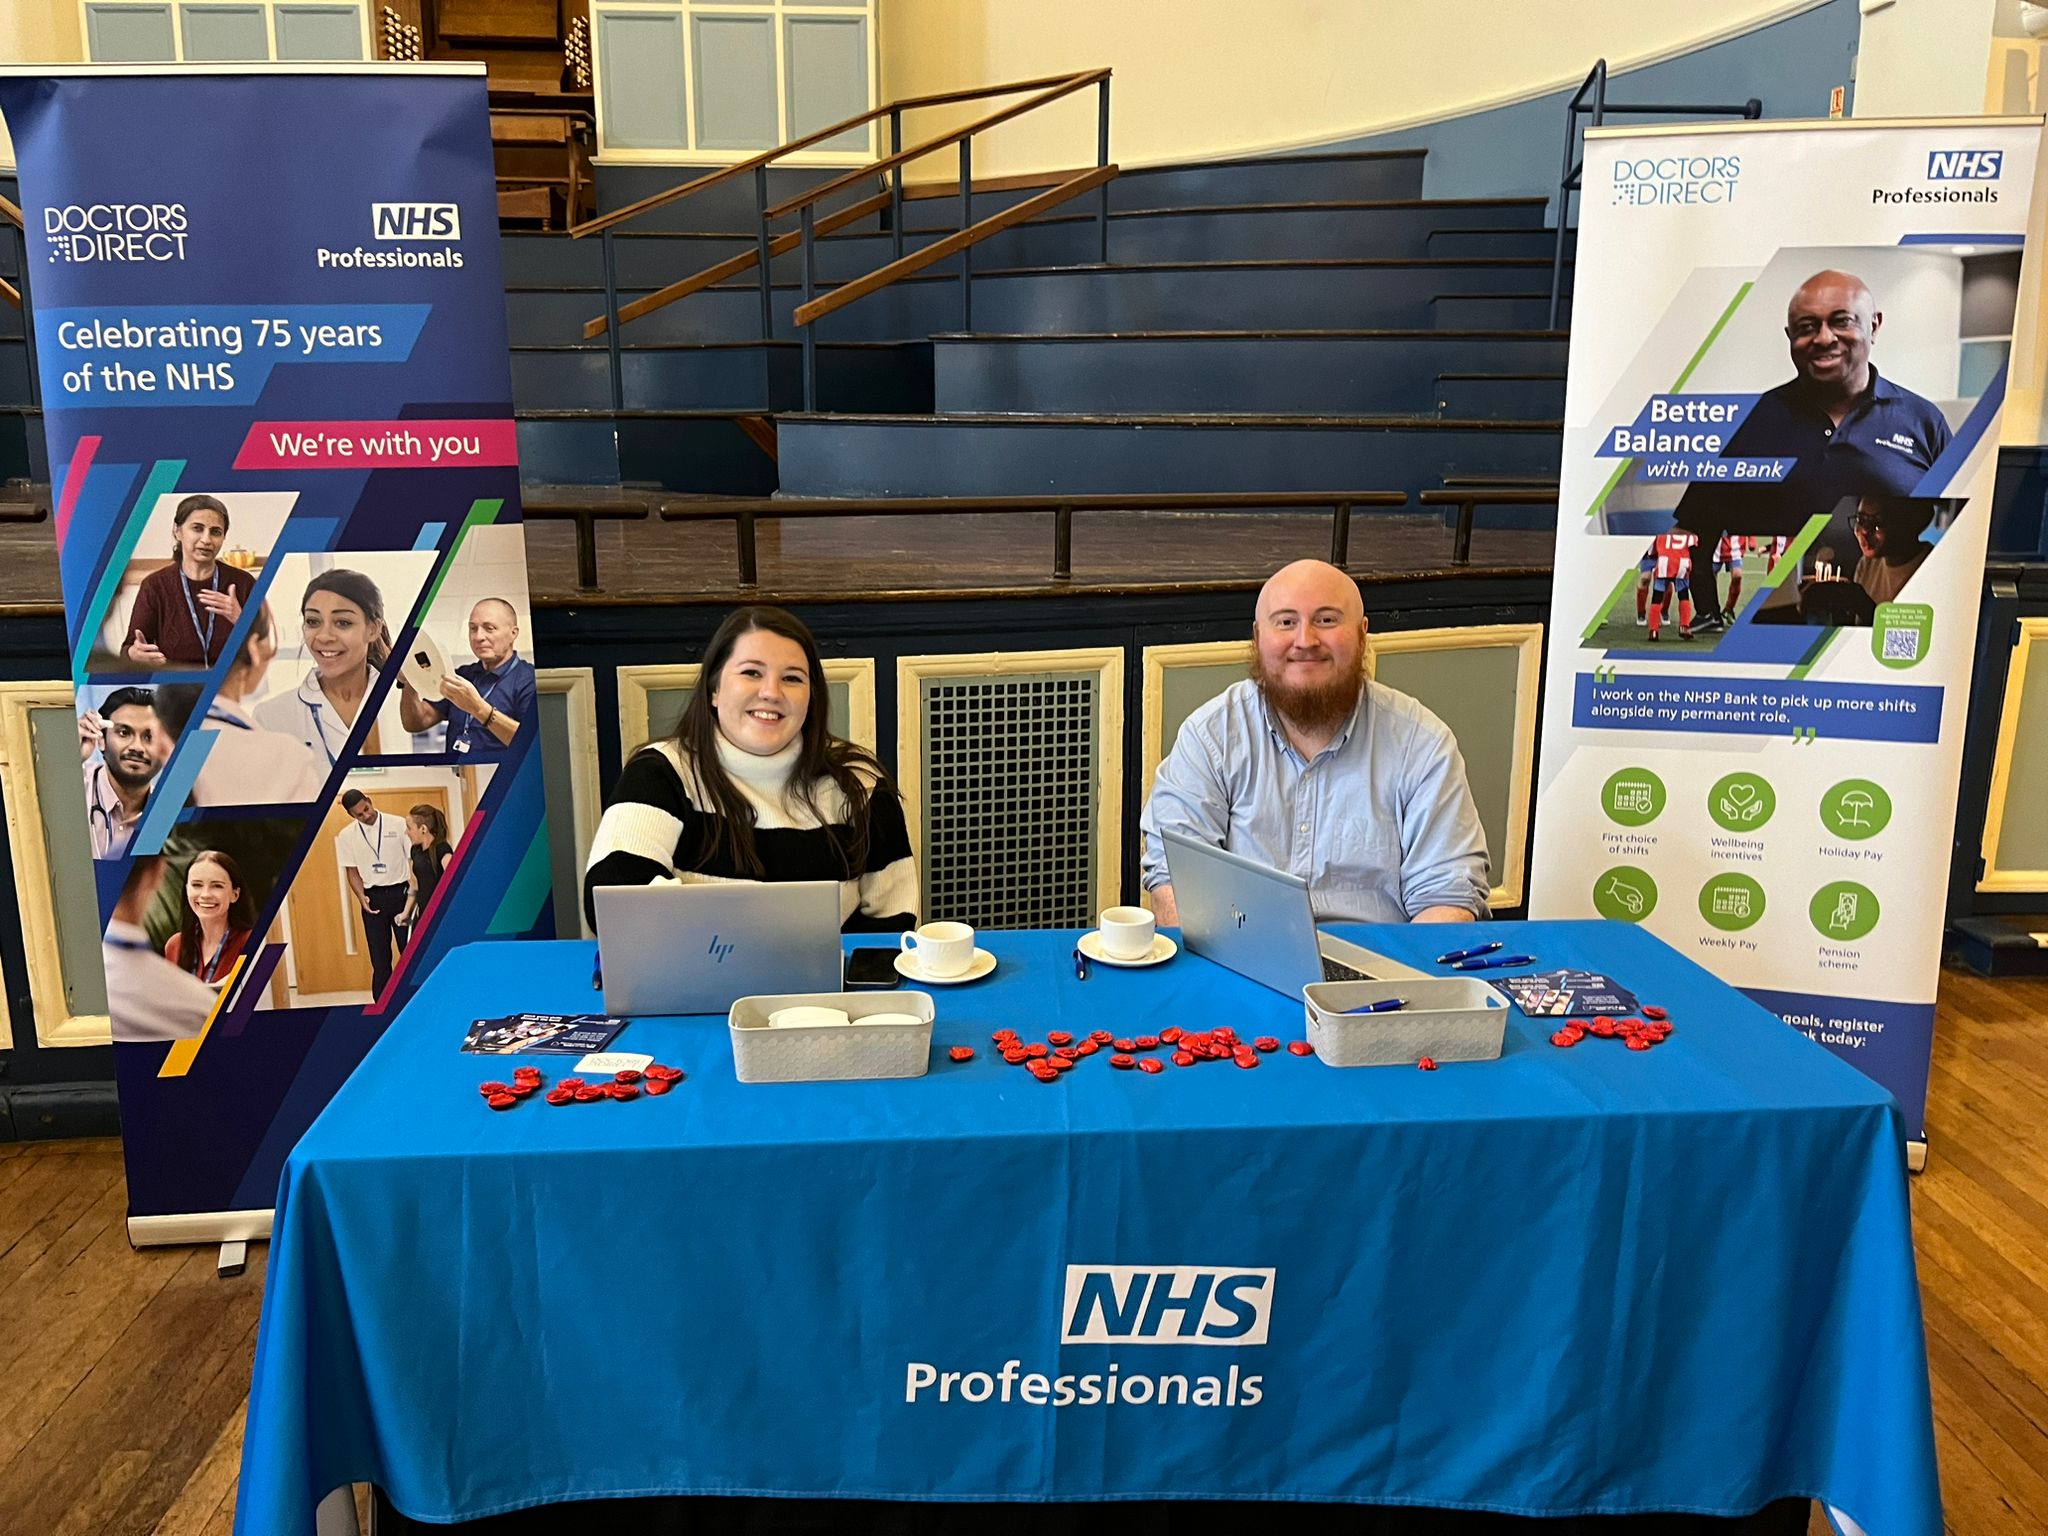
(124, 1374)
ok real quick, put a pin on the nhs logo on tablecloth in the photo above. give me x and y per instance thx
(1165, 1304)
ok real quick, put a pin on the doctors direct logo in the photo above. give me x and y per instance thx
(1129, 1304)
(1651, 180)
(130, 232)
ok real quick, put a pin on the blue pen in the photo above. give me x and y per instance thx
(1080, 966)
(1469, 954)
(1494, 963)
(1384, 1005)
(597, 973)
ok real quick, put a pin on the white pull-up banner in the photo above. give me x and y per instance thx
(1788, 362)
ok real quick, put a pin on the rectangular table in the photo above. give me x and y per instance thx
(1567, 1281)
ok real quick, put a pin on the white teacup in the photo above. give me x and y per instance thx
(807, 1016)
(941, 949)
(1127, 932)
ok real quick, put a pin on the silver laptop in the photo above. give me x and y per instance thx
(695, 948)
(1257, 921)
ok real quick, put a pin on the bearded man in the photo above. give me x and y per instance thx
(1307, 766)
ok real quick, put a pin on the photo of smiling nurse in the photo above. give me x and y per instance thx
(343, 639)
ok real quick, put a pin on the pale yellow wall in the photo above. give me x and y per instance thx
(38, 32)
(1198, 78)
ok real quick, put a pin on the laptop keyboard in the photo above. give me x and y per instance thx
(1335, 971)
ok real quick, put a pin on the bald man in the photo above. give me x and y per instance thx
(494, 693)
(1851, 432)
(1306, 766)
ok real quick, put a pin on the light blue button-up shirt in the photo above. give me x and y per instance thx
(1381, 823)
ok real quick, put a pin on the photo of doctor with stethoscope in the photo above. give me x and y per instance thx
(122, 747)
(344, 639)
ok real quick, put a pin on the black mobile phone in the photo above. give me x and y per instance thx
(872, 969)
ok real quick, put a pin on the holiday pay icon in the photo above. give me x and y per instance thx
(1741, 802)
(1633, 797)
(1626, 894)
(1856, 809)
(1843, 910)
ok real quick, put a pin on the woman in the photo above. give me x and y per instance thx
(343, 618)
(753, 786)
(218, 918)
(184, 613)
(247, 765)
(428, 830)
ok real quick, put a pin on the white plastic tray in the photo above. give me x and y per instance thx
(823, 1053)
(1448, 1018)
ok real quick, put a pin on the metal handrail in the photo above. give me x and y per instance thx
(1468, 498)
(1574, 166)
(811, 225)
(744, 512)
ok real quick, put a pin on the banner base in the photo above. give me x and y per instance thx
(1916, 1156)
(201, 1227)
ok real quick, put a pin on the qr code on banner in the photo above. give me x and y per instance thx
(1902, 645)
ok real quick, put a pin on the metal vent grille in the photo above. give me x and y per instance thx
(1010, 816)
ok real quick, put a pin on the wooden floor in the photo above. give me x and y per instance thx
(124, 1375)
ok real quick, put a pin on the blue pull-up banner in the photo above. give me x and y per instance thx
(269, 328)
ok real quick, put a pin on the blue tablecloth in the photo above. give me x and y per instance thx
(1575, 1281)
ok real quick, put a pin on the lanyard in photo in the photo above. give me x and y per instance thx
(376, 848)
(474, 723)
(206, 640)
(210, 972)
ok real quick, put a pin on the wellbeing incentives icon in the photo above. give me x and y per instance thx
(1741, 802)
(1855, 810)
(1634, 797)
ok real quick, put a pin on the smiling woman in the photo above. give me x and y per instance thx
(754, 786)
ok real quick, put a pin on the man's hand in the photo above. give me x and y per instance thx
(364, 902)
(463, 695)
(141, 650)
(92, 733)
(224, 603)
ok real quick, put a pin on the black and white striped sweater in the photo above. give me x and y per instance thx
(655, 828)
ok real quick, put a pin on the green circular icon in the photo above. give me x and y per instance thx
(1856, 809)
(1731, 902)
(1843, 910)
(1634, 797)
(1625, 893)
(1741, 802)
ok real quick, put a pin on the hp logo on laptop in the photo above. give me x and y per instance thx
(1236, 916)
(719, 951)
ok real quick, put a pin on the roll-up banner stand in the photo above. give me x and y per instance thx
(269, 328)
(1788, 361)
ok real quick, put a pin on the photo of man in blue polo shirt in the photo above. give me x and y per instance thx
(1850, 431)
(486, 700)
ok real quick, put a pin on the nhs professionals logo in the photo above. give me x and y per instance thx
(1965, 164)
(1166, 1304)
(415, 221)
(1128, 1304)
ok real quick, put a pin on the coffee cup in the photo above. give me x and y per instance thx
(1127, 932)
(941, 949)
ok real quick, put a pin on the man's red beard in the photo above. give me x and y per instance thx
(1313, 706)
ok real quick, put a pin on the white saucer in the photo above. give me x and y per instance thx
(907, 967)
(1163, 950)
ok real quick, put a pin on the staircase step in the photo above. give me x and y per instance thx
(1397, 227)
(1242, 373)
(1529, 311)
(1041, 455)
(1501, 396)
(680, 450)
(864, 376)
(1284, 295)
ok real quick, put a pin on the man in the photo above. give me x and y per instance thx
(132, 750)
(1850, 432)
(1671, 573)
(1308, 767)
(1888, 538)
(375, 852)
(495, 692)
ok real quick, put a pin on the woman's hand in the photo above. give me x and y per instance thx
(140, 649)
(224, 603)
